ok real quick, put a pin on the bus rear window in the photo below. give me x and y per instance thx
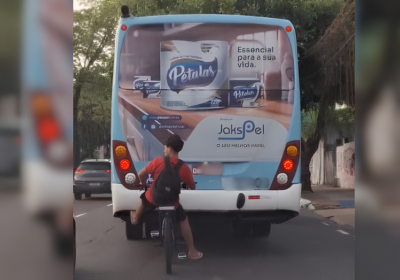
(242, 54)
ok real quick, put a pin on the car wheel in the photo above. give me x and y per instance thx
(261, 229)
(87, 195)
(78, 196)
(133, 232)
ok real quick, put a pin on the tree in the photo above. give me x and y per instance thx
(309, 17)
(327, 76)
(94, 32)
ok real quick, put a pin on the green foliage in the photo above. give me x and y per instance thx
(309, 118)
(309, 17)
(342, 117)
(339, 118)
(94, 33)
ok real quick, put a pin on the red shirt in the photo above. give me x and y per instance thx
(157, 165)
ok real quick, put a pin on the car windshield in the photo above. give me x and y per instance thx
(95, 166)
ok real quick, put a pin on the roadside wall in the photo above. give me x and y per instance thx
(317, 165)
(345, 165)
(332, 163)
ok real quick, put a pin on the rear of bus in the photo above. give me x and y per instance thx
(228, 86)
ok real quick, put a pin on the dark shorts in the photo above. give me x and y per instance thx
(148, 206)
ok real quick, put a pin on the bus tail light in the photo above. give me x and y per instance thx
(287, 167)
(53, 145)
(291, 151)
(123, 165)
(48, 130)
(47, 126)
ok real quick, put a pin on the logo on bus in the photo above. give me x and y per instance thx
(191, 73)
(240, 131)
(244, 93)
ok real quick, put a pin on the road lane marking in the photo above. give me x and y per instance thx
(109, 204)
(342, 232)
(325, 224)
(80, 215)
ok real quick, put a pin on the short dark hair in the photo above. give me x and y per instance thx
(175, 142)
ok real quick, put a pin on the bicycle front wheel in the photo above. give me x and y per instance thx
(168, 244)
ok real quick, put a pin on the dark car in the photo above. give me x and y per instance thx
(93, 176)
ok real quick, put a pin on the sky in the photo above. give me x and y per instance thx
(77, 5)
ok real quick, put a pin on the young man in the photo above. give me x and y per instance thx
(172, 147)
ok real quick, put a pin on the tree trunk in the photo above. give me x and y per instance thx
(77, 95)
(308, 149)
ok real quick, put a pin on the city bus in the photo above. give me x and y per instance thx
(228, 85)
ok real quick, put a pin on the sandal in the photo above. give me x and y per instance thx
(199, 256)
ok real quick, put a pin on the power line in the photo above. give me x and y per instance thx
(330, 58)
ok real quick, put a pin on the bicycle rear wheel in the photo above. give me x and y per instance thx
(168, 243)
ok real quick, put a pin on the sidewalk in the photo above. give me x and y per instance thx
(330, 202)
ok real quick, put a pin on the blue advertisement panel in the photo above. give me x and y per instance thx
(226, 89)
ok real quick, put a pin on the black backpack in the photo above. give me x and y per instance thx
(168, 184)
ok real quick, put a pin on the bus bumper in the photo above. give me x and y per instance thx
(216, 200)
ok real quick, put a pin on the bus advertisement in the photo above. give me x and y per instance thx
(228, 86)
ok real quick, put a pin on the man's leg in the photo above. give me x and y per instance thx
(187, 235)
(137, 215)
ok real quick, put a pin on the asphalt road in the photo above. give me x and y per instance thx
(306, 247)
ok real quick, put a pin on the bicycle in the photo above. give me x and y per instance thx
(166, 227)
(167, 234)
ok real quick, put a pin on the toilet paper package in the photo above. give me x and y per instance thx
(194, 75)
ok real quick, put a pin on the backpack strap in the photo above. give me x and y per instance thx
(178, 165)
(167, 163)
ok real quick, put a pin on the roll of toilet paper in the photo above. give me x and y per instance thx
(194, 75)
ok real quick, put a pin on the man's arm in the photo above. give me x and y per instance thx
(187, 177)
(143, 176)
